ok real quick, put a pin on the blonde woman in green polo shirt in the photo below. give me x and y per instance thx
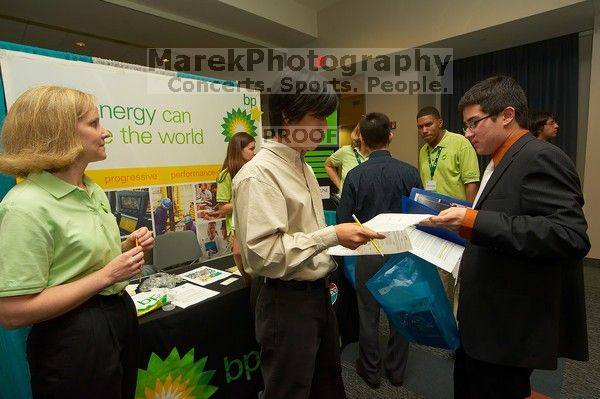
(347, 157)
(63, 267)
(240, 150)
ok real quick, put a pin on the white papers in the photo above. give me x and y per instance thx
(442, 253)
(393, 226)
(205, 275)
(228, 281)
(394, 242)
(394, 221)
(189, 294)
(402, 235)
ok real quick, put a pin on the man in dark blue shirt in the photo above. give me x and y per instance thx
(373, 187)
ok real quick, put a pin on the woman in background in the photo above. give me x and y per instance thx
(347, 157)
(543, 125)
(239, 151)
(63, 267)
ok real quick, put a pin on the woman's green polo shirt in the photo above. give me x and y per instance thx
(347, 158)
(53, 233)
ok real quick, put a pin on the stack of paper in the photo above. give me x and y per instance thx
(401, 235)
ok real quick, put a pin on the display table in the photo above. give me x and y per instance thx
(214, 343)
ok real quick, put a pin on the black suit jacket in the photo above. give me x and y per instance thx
(522, 297)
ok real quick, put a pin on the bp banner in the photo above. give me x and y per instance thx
(166, 146)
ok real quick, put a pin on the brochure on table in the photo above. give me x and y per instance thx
(205, 275)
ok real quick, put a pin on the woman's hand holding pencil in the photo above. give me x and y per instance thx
(141, 237)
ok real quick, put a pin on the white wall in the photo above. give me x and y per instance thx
(585, 61)
(413, 23)
(402, 109)
(591, 186)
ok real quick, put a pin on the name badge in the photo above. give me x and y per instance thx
(430, 185)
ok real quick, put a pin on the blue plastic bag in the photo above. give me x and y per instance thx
(410, 292)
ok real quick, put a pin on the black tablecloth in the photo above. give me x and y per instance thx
(219, 331)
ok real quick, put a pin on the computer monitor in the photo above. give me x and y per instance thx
(130, 202)
(128, 223)
(133, 203)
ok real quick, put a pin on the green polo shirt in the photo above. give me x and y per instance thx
(457, 165)
(346, 158)
(224, 195)
(54, 233)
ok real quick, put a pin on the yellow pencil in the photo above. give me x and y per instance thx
(137, 244)
(370, 239)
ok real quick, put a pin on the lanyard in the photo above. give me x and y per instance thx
(433, 166)
(356, 155)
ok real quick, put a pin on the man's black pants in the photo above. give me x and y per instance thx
(475, 379)
(298, 334)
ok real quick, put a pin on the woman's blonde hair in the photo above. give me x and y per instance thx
(355, 137)
(40, 130)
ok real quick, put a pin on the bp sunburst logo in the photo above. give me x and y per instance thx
(237, 120)
(175, 378)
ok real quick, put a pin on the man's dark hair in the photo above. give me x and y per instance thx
(425, 111)
(295, 94)
(538, 121)
(496, 93)
(375, 130)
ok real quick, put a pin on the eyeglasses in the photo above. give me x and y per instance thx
(473, 124)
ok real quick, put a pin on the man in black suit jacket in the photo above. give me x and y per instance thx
(521, 303)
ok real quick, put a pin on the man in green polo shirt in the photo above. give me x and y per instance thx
(447, 165)
(447, 162)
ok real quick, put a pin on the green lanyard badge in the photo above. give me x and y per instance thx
(356, 155)
(433, 166)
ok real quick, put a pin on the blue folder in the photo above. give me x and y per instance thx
(437, 202)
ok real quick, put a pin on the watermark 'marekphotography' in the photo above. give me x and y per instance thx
(349, 70)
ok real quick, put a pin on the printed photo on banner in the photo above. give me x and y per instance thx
(173, 208)
(206, 201)
(131, 209)
(213, 239)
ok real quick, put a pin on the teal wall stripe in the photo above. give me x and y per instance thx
(46, 52)
(6, 182)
